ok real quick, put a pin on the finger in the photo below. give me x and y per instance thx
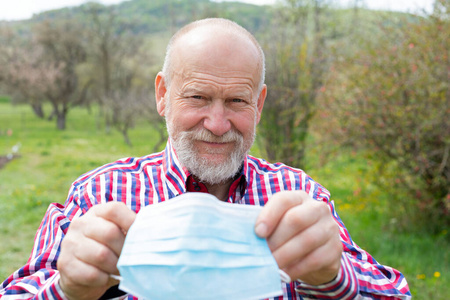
(118, 213)
(99, 256)
(299, 246)
(319, 266)
(83, 281)
(91, 276)
(107, 233)
(274, 210)
(294, 221)
(77, 272)
(77, 246)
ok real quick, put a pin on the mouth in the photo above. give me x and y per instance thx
(215, 148)
(218, 144)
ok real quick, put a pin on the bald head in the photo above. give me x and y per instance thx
(214, 36)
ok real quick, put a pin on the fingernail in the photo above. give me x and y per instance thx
(261, 230)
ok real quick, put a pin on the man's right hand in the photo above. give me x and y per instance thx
(91, 248)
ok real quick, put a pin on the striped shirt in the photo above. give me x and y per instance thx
(159, 177)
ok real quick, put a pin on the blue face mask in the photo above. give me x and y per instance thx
(197, 247)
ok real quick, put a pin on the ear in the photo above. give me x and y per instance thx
(160, 93)
(260, 103)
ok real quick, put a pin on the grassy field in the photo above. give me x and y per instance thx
(50, 160)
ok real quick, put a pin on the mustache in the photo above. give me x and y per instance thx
(205, 135)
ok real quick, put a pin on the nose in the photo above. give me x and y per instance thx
(216, 119)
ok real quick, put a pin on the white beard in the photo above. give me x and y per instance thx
(205, 170)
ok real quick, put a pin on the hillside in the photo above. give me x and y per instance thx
(156, 16)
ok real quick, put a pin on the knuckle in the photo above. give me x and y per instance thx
(70, 241)
(312, 238)
(102, 255)
(67, 243)
(315, 263)
(108, 208)
(111, 209)
(110, 233)
(90, 277)
(322, 208)
(112, 206)
(303, 194)
(287, 198)
(333, 228)
(292, 219)
(298, 270)
(76, 224)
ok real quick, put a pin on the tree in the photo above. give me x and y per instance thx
(22, 73)
(119, 63)
(44, 68)
(296, 61)
(392, 98)
(63, 47)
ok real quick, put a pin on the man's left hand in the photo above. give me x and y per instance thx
(302, 235)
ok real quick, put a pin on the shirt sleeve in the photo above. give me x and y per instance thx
(360, 276)
(39, 278)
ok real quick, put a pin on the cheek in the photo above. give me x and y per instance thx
(245, 123)
(184, 119)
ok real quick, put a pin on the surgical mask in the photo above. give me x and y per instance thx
(197, 247)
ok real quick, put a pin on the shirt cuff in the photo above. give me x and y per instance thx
(52, 290)
(344, 286)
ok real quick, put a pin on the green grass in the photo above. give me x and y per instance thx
(4, 99)
(423, 259)
(50, 160)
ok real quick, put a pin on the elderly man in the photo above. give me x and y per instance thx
(211, 92)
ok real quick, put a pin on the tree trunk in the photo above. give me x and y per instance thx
(126, 137)
(61, 121)
(37, 109)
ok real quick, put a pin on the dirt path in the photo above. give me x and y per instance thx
(4, 160)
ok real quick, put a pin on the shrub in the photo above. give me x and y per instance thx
(392, 97)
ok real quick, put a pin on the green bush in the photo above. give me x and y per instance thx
(391, 98)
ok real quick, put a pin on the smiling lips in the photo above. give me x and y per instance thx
(215, 147)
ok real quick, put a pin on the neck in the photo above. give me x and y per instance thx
(221, 191)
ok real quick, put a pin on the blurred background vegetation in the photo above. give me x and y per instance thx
(359, 99)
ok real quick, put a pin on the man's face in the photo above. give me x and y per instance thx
(213, 104)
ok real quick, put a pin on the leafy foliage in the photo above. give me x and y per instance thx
(392, 97)
(296, 47)
(118, 68)
(387, 89)
(45, 68)
(104, 54)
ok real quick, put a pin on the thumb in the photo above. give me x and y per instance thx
(117, 213)
(274, 210)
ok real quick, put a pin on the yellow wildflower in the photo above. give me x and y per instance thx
(420, 276)
(437, 274)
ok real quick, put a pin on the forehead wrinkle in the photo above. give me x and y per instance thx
(206, 86)
(208, 78)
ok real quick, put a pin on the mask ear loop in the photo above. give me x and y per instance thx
(116, 277)
(284, 276)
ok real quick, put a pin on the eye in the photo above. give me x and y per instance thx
(197, 97)
(237, 100)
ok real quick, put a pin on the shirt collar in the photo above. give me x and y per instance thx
(176, 176)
